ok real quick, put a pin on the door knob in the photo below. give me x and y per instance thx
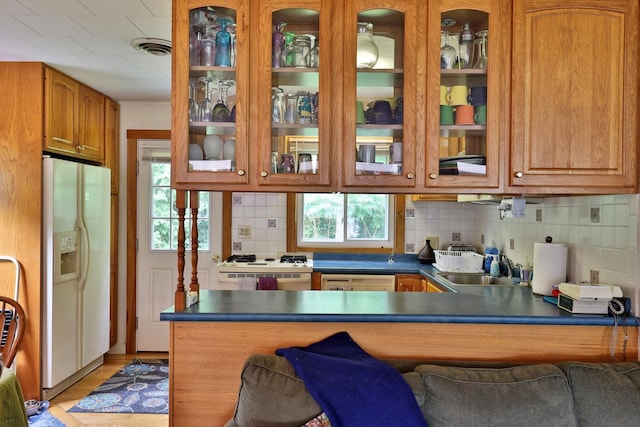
(410, 175)
(433, 176)
(518, 174)
(241, 172)
(264, 174)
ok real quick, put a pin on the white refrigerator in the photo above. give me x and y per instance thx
(76, 262)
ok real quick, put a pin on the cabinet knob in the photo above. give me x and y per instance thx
(264, 174)
(410, 175)
(241, 172)
(433, 176)
(518, 174)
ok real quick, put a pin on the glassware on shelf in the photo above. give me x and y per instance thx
(448, 54)
(465, 47)
(277, 105)
(223, 43)
(221, 112)
(208, 47)
(277, 44)
(291, 109)
(367, 51)
(205, 108)
(482, 60)
(314, 54)
(296, 54)
(193, 103)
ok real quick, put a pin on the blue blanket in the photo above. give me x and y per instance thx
(352, 387)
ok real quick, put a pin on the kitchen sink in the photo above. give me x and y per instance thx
(475, 279)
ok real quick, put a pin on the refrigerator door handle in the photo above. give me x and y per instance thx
(85, 248)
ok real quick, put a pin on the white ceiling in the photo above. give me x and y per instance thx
(90, 41)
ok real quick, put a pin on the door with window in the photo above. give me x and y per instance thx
(157, 230)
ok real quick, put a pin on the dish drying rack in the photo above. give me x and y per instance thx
(459, 261)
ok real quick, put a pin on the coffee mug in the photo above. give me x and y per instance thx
(480, 114)
(395, 152)
(444, 90)
(446, 115)
(464, 115)
(382, 110)
(367, 153)
(359, 112)
(477, 95)
(457, 95)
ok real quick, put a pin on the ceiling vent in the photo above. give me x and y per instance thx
(158, 47)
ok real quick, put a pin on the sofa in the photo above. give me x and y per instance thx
(462, 393)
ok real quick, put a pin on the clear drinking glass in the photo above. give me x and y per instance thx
(483, 60)
(193, 103)
(205, 108)
(448, 54)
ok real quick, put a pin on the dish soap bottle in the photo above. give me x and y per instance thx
(495, 266)
(491, 249)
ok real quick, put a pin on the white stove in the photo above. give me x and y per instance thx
(292, 272)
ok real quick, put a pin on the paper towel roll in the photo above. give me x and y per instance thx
(549, 267)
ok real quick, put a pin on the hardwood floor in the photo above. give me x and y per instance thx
(113, 362)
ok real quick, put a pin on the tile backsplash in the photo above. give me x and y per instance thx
(600, 231)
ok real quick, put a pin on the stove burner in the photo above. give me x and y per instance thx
(242, 258)
(293, 259)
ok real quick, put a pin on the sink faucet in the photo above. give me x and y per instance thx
(508, 263)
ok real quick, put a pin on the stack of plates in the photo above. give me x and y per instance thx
(449, 165)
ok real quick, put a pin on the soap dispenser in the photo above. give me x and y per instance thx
(495, 267)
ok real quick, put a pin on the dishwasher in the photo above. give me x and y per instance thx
(358, 282)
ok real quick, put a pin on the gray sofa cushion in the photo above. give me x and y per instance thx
(605, 394)
(272, 395)
(518, 396)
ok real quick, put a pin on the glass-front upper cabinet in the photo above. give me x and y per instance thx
(383, 56)
(293, 92)
(209, 93)
(464, 102)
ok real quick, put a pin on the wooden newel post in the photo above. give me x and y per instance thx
(194, 201)
(180, 295)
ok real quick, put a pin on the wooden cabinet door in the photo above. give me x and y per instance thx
(224, 163)
(112, 142)
(574, 96)
(432, 287)
(61, 112)
(397, 78)
(475, 143)
(91, 124)
(410, 283)
(312, 130)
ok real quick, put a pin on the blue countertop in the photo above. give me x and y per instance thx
(463, 304)
(477, 304)
(339, 263)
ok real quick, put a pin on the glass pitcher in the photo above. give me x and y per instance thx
(367, 51)
(297, 54)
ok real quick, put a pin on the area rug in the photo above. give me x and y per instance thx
(45, 419)
(141, 387)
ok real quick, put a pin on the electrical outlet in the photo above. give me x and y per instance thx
(455, 237)
(244, 231)
(482, 239)
(538, 215)
(409, 248)
(409, 213)
(435, 242)
(237, 200)
(595, 277)
(595, 215)
(271, 223)
(512, 244)
(237, 246)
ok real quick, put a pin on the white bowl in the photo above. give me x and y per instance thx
(229, 149)
(195, 152)
(212, 147)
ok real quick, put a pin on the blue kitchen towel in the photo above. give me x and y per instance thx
(352, 387)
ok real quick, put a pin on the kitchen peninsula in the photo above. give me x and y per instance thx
(211, 340)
